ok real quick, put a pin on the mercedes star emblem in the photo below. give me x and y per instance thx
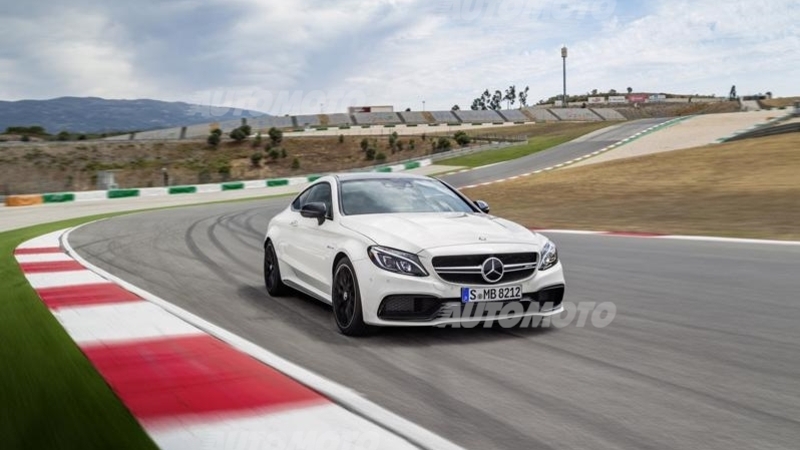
(492, 270)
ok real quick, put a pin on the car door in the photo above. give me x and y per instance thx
(312, 243)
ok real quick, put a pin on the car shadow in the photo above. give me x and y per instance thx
(316, 317)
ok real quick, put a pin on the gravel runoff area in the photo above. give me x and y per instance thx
(695, 132)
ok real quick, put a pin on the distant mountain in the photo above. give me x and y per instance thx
(98, 115)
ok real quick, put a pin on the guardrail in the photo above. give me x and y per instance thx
(768, 131)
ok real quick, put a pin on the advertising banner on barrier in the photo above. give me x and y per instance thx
(638, 98)
(596, 100)
(657, 98)
(617, 99)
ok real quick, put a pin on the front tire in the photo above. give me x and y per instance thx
(346, 298)
(272, 272)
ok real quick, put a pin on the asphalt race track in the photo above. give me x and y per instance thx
(703, 351)
(553, 156)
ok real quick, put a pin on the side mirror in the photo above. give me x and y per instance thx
(315, 210)
(483, 206)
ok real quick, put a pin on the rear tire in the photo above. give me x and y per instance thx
(272, 272)
(346, 299)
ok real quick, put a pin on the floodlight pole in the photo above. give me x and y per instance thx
(564, 58)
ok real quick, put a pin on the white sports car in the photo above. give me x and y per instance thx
(398, 249)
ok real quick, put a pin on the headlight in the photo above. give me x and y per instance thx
(549, 256)
(397, 261)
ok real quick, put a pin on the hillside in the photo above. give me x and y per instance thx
(98, 115)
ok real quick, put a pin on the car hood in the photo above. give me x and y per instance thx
(415, 232)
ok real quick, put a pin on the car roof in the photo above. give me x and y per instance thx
(350, 176)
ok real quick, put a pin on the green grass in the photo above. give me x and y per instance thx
(504, 154)
(552, 136)
(50, 394)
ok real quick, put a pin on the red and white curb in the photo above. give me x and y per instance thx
(193, 385)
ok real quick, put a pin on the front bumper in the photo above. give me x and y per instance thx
(390, 299)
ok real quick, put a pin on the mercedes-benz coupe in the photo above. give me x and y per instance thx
(406, 250)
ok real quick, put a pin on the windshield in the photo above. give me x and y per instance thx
(399, 195)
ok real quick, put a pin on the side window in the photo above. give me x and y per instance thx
(318, 193)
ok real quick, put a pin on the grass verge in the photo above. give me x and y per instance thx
(548, 136)
(50, 394)
(746, 189)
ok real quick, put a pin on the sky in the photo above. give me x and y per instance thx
(311, 56)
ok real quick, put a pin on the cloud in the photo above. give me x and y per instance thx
(251, 53)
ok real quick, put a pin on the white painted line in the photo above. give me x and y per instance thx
(208, 188)
(90, 195)
(317, 427)
(255, 184)
(64, 279)
(43, 257)
(120, 322)
(558, 166)
(153, 192)
(334, 391)
(48, 240)
(730, 240)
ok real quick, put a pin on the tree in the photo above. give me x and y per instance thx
(612, 92)
(370, 154)
(255, 159)
(523, 97)
(295, 164)
(496, 100)
(630, 89)
(455, 108)
(594, 91)
(214, 139)
(380, 157)
(443, 144)
(511, 96)
(257, 142)
(246, 129)
(63, 136)
(238, 135)
(462, 138)
(275, 136)
(341, 139)
(364, 144)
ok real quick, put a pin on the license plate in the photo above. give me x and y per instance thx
(491, 294)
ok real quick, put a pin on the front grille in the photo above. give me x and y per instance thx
(466, 269)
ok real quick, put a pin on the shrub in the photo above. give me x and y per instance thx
(341, 139)
(412, 144)
(370, 154)
(364, 144)
(443, 144)
(246, 129)
(238, 135)
(25, 138)
(283, 153)
(380, 157)
(213, 139)
(82, 137)
(257, 141)
(256, 158)
(424, 136)
(217, 131)
(399, 146)
(295, 164)
(275, 135)
(63, 136)
(274, 154)
(462, 138)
